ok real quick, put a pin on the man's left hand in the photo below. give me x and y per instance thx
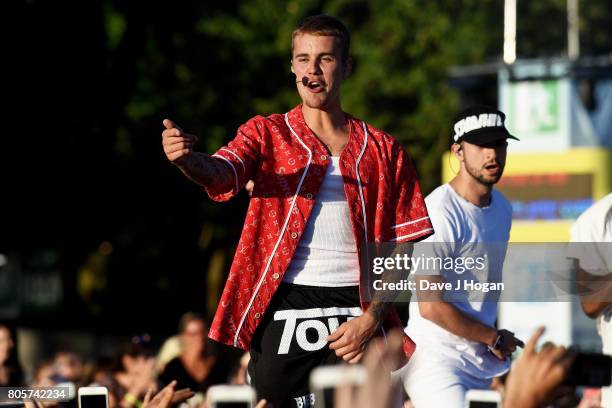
(351, 338)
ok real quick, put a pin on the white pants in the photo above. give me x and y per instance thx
(432, 381)
(606, 397)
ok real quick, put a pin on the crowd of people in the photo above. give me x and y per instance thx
(181, 371)
(187, 361)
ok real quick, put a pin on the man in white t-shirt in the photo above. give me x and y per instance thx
(591, 246)
(458, 346)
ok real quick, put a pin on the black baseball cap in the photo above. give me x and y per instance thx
(480, 125)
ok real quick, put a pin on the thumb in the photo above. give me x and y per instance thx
(168, 124)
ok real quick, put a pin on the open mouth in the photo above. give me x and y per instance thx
(492, 167)
(314, 86)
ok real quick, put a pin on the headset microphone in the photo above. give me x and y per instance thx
(304, 81)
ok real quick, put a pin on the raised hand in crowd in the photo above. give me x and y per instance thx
(143, 378)
(536, 378)
(167, 397)
(137, 373)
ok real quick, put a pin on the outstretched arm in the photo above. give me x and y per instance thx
(201, 168)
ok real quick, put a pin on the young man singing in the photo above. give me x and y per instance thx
(325, 183)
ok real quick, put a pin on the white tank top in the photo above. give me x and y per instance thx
(327, 253)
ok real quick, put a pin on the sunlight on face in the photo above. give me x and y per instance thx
(319, 60)
(485, 163)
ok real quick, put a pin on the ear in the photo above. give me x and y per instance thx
(457, 151)
(292, 70)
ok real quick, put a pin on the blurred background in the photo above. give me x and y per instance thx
(102, 238)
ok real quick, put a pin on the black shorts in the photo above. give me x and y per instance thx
(290, 340)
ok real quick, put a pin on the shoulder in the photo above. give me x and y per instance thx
(175, 362)
(380, 136)
(388, 148)
(599, 211)
(275, 118)
(440, 198)
(442, 205)
(444, 213)
(259, 121)
(173, 366)
(261, 127)
(597, 217)
(374, 134)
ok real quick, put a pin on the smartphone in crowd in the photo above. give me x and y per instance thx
(70, 388)
(93, 397)
(590, 370)
(483, 399)
(231, 396)
(324, 381)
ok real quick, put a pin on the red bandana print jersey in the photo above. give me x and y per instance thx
(288, 162)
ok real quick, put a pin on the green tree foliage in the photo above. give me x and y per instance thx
(234, 63)
(542, 28)
(96, 78)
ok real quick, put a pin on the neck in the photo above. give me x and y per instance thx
(193, 354)
(471, 189)
(324, 121)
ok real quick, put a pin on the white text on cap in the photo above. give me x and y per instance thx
(477, 122)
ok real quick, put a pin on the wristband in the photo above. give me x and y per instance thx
(498, 343)
(132, 400)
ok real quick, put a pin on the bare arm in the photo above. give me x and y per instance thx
(594, 309)
(201, 168)
(450, 318)
(600, 288)
(205, 170)
(447, 316)
(453, 320)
